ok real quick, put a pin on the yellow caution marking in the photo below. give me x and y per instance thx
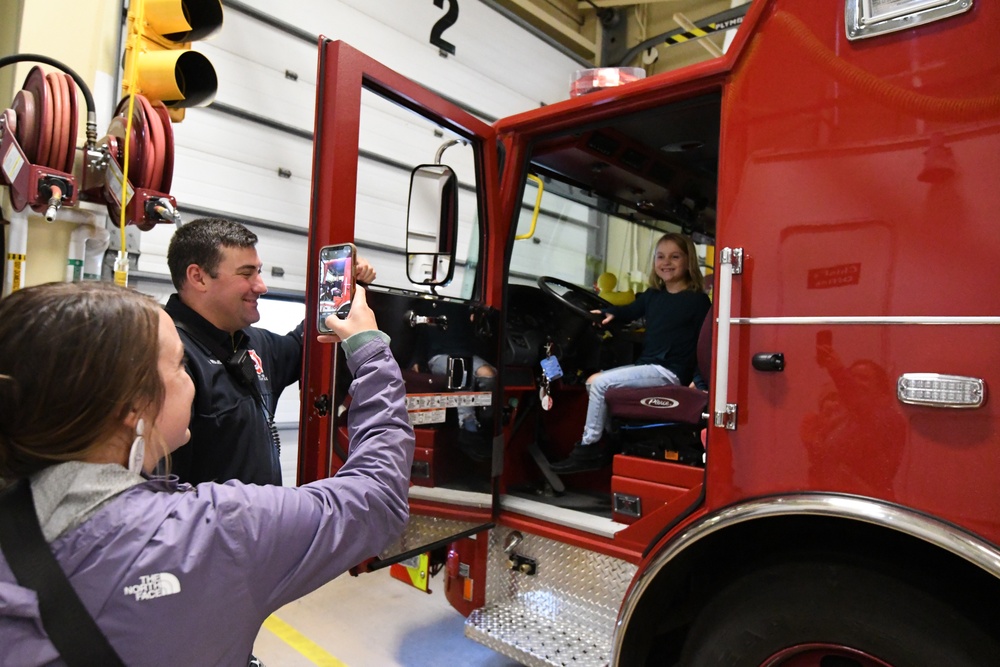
(309, 649)
(698, 32)
(418, 573)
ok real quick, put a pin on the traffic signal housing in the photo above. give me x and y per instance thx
(159, 62)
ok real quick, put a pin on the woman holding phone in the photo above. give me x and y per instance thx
(93, 394)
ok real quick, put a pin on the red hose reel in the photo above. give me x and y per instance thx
(38, 150)
(150, 163)
(38, 145)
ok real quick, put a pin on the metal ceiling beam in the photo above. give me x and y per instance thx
(588, 4)
(689, 25)
(564, 33)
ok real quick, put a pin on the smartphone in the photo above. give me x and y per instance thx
(336, 282)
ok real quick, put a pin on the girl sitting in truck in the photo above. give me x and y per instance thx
(674, 308)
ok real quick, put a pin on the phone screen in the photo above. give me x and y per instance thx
(336, 283)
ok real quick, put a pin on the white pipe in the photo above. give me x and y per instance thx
(77, 251)
(17, 251)
(78, 214)
(97, 245)
(724, 299)
(87, 244)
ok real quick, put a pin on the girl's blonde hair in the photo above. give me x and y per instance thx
(695, 281)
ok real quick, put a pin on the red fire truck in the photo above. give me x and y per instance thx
(834, 499)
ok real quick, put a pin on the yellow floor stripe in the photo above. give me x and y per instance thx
(301, 643)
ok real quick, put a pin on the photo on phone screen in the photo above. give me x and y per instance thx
(336, 283)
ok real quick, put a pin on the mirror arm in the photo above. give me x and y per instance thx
(445, 146)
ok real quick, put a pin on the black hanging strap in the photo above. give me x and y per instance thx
(70, 627)
(241, 367)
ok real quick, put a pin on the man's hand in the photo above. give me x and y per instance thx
(361, 318)
(364, 273)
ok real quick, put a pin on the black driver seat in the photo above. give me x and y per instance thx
(664, 422)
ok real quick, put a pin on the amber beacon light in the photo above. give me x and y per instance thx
(159, 62)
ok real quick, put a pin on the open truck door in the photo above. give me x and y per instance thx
(418, 222)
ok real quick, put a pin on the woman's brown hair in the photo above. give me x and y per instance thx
(75, 360)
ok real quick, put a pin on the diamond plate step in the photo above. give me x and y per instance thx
(562, 614)
(521, 633)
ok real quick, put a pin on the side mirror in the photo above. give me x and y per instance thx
(431, 225)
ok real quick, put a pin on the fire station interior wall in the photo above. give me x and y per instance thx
(84, 38)
(254, 162)
(251, 170)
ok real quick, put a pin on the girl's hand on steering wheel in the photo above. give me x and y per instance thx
(607, 317)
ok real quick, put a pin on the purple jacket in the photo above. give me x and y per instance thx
(181, 575)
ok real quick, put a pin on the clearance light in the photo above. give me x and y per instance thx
(941, 391)
(588, 80)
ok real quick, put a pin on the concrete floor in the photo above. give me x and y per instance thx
(368, 621)
(371, 621)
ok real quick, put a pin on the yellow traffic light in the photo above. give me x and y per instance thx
(159, 62)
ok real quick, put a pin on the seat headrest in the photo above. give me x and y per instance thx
(704, 350)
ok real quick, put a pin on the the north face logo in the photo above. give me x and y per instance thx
(659, 402)
(154, 586)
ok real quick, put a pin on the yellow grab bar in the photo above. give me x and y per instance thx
(538, 207)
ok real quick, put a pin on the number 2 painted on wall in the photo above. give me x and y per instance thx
(443, 24)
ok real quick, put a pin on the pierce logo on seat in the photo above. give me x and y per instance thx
(659, 402)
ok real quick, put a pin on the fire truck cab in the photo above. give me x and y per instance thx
(833, 499)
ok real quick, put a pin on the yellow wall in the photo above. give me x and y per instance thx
(9, 32)
(83, 35)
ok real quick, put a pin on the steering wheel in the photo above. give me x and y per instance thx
(579, 300)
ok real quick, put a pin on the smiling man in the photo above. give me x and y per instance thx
(238, 370)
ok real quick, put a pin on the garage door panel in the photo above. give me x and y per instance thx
(286, 252)
(231, 165)
(404, 46)
(244, 141)
(276, 248)
(264, 91)
(253, 41)
(241, 189)
(509, 56)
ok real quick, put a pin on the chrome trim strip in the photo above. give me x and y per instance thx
(588, 523)
(861, 20)
(452, 496)
(723, 301)
(930, 530)
(870, 319)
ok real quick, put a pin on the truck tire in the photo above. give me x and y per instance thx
(826, 613)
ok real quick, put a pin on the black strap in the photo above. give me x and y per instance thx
(70, 627)
(240, 366)
(236, 368)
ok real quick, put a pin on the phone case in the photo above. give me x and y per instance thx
(336, 283)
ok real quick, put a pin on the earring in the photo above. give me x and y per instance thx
(138, 451)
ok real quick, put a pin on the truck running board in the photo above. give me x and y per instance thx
(549, 604)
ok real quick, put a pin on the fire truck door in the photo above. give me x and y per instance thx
(358, 195)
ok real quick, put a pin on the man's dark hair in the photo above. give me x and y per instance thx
(200, 242)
